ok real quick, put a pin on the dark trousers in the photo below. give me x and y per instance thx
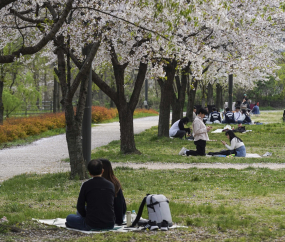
(200, 146)
(180, 134)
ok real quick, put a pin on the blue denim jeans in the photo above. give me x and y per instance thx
(241, 151)
(76, 221)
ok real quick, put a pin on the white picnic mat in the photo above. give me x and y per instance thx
(60, 222)
(221, 130)
(248, 155)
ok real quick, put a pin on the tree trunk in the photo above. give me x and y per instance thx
(191, 100)
(73, 123)
(203, 102)
(178, 103)
(127, 129)
(1, 94)
(219, 93)
(210, 94)
(126, 108)
(167, 93)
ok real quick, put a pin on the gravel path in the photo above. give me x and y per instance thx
(45, 155)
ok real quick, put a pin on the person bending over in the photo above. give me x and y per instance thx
(236, 144)
(229, 117)
(95, 204)
(177, 129)
(119, 201)
(200, 133)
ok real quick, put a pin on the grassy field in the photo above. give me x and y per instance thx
(228, 205)
(214, 204)
(267, 137)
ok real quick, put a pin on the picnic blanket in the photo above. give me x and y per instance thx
(60, 222)
(221, 130)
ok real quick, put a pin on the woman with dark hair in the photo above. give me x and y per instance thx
(236, 144)
(247, 119)
(177, 129)
(119, 200)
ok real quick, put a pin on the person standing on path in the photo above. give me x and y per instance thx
(200, 133)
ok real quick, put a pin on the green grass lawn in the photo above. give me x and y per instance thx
(263, 138)
(227, 205)
(214, 204)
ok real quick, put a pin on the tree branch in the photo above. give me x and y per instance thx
(30, 20)
(42, 43)
(124, 20)
(83, 73)
(4, 3)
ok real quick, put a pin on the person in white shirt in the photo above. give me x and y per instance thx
(238, 116)
(236, 144)
(177, 129)
(194, 112)
(200, 133)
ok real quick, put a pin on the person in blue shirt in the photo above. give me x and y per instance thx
(255, 109)
(215, 117)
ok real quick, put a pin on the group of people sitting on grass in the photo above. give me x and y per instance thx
(101, 202)
(200, 136)
(238, 117)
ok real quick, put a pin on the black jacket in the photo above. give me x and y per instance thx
(120, 207)
(98, 193)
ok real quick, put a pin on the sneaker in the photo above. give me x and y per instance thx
(151, 225)
(182, 151)
(164, 225)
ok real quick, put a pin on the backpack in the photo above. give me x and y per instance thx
(158, 209)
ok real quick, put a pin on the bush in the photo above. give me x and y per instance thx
(141, 110)
(19, 128)
(100, 114)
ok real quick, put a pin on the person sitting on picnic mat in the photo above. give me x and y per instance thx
(177, 129)
(95, 204)
(119, 201)
(200, 133)
(236, 144)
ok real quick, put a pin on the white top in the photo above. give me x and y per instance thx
(239, 116)
(174, 128)
(234, 144)
(199, 129)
